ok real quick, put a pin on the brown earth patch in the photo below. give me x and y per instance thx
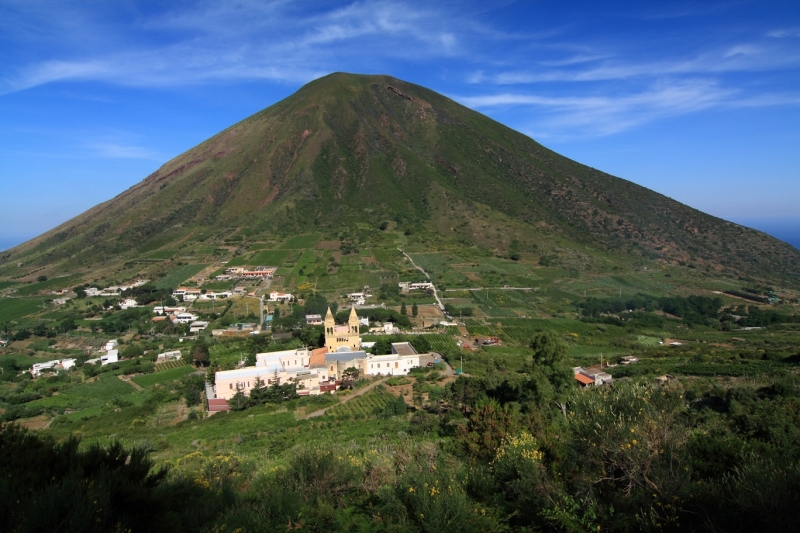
(37, 422)
(328, 245)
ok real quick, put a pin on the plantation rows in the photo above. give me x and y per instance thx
(170, 364)
(521, 334)
(363, 406)
(444, 344)
(478, 328)
(648, 341)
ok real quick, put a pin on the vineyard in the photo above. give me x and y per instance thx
(644, 340)
(369, 404)
(170, 364)
(443, 344)
(476, 327)
(163, 376)
(496, 303)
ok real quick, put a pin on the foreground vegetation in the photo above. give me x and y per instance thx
(490, 455)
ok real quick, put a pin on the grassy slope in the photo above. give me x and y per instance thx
(348, 152)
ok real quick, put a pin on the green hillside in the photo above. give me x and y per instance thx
(349, 154)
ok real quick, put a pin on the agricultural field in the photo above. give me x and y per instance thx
(274, 258)
(64, 282)
(162, 254)
(105, 388)
(300, 242)
(164, 375)
(178, 276)
(16, 308)
(438, 266)
(364, 406)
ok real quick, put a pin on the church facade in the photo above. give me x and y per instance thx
(343, 338)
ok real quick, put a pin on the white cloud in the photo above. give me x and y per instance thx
(784, 33)
(122, 151)
(228, 42)
(599, 115)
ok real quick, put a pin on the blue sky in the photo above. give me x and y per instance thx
(697, 100)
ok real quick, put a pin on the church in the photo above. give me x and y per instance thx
(342, 338)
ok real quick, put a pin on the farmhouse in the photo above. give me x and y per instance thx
(55, 366)
(173, 355)
(183, 318)
(276, 296)
(592, 376)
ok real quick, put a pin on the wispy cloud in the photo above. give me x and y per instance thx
(229, 42)
(784, 33)
(122, 151)
(212, 42)
(589, 116)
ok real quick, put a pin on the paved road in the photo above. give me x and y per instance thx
(345, 399)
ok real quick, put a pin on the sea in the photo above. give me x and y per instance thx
(785, 229)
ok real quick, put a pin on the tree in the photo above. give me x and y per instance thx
(382, 347)
(414, 310)
(131, 351)
(548, 349)
(349, 377)
(420, 343)
(548, 360)
(403, 310)
(200, 353)
(41, 278)
(192, 387)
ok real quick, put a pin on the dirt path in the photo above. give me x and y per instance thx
(130, 382)
(435, 294)
(344, 399)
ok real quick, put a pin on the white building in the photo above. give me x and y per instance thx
(183, 318)
(173, 355)
(197, 326)
(282, 366)
(110, 345)
(276, 296)
(402, 359)
(408, 286)
(111, 357)
(127, 303)
(55, 365)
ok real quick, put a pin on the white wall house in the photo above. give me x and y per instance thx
(111, 357)
(183, 318)
(127, 303)
(173, 355)
(55, 365)
(276, 296)
(402, 359)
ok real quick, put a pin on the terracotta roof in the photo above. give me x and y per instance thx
(586, 380)
(317, 357)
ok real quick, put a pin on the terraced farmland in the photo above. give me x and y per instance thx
(369, 404)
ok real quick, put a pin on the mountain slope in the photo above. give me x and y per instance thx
(349, 149)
